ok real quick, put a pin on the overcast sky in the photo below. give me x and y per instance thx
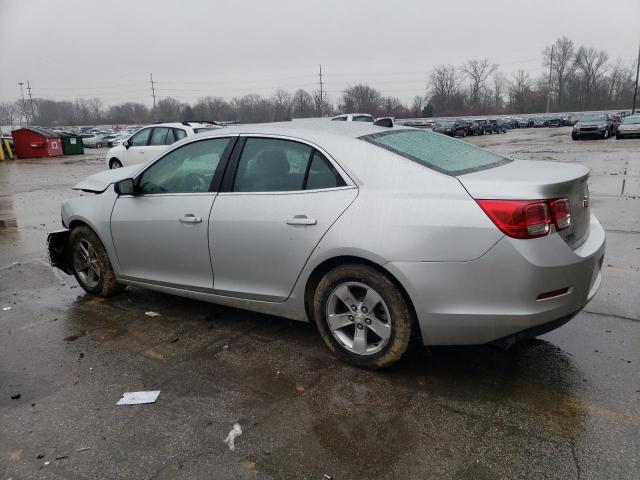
(225, 48)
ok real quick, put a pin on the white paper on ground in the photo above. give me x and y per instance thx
(134, 398)
(231, 438)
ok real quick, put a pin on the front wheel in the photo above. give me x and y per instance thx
(362, 317)
(115, 163)
(91, 265)
(574, 136)
(605, 134)
(618, 136)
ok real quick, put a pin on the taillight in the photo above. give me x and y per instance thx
(518, 218)
(527, 218)
(561, 213)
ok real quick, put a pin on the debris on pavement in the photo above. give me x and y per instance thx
(47, 464)
(152, 314)
(15, 396)
(62, 457)
(39, 456)
(236, 431)
(135, 398)
(83, 449)
(6, 309)
(300, 389)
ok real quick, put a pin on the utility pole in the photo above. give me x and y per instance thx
(33, 114)
(321, 92)
(24, 109)
(549, 83)
(635, 91)
(153, 92)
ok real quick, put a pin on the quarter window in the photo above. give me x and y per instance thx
(141, 138)
(179, 133)
(188, 169)
(322, 174)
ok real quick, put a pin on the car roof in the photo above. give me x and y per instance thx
(321, 131)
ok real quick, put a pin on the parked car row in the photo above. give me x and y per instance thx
(462, 127)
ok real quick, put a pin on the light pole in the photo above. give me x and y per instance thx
(24, 108)
(635, 91)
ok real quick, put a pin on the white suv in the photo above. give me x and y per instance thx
(150, 140)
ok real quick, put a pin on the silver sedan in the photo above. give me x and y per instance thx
(377, 235)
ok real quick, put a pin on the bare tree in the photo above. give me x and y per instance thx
(520, 91)
(417, 105)
(444, 83)
(9, 113)
(590, 62)
(302, 104)
(562, 66)
(478, 71)
(499, 84)
(361, 98)
(281, 105)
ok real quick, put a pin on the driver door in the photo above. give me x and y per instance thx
(137, 147)
(161, 232)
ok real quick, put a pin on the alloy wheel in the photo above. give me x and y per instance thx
(358, 318)
(86, 263)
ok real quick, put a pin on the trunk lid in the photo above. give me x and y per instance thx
(537, 180)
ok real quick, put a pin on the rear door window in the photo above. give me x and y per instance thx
(272, 165)
(159, 136)
(435, 151)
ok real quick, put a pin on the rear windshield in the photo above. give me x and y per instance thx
(436, 151)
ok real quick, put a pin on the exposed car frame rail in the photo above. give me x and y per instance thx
(60, 250)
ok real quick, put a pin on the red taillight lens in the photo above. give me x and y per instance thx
(561, 213)
(519, 218)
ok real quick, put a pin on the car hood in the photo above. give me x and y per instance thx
(590, 124)
(100, 181)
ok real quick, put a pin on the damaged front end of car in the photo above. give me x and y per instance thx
(60, 250)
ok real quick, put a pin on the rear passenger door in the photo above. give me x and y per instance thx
(278, 198)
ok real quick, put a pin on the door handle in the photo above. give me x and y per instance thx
(301, 220)
(190, 218)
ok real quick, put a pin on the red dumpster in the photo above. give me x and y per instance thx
(36, 142)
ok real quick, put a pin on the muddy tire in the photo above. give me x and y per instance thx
(90, 263)
(362, 316)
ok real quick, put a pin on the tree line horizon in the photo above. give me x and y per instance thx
(581, 79)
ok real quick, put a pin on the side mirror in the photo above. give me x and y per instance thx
(125, 187)
(126, 144)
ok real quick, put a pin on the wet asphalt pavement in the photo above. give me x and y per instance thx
(566, 405)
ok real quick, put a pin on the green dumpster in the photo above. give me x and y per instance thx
(71, 144)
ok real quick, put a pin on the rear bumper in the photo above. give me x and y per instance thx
(59, 250)
(495, 296)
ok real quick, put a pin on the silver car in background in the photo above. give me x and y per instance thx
(378, 235)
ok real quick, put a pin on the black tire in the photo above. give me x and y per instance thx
(106, 284)
(115, 163)
(605, 134)
(574, 136)
(401, 315)
(618, 136)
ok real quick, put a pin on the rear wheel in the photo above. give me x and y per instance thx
(91, 265)
(362, 316)
(605, 134)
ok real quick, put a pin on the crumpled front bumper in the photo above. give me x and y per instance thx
(60, 251)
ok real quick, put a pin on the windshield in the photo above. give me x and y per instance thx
(593, 118)
(436, 151)
(631, 121)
